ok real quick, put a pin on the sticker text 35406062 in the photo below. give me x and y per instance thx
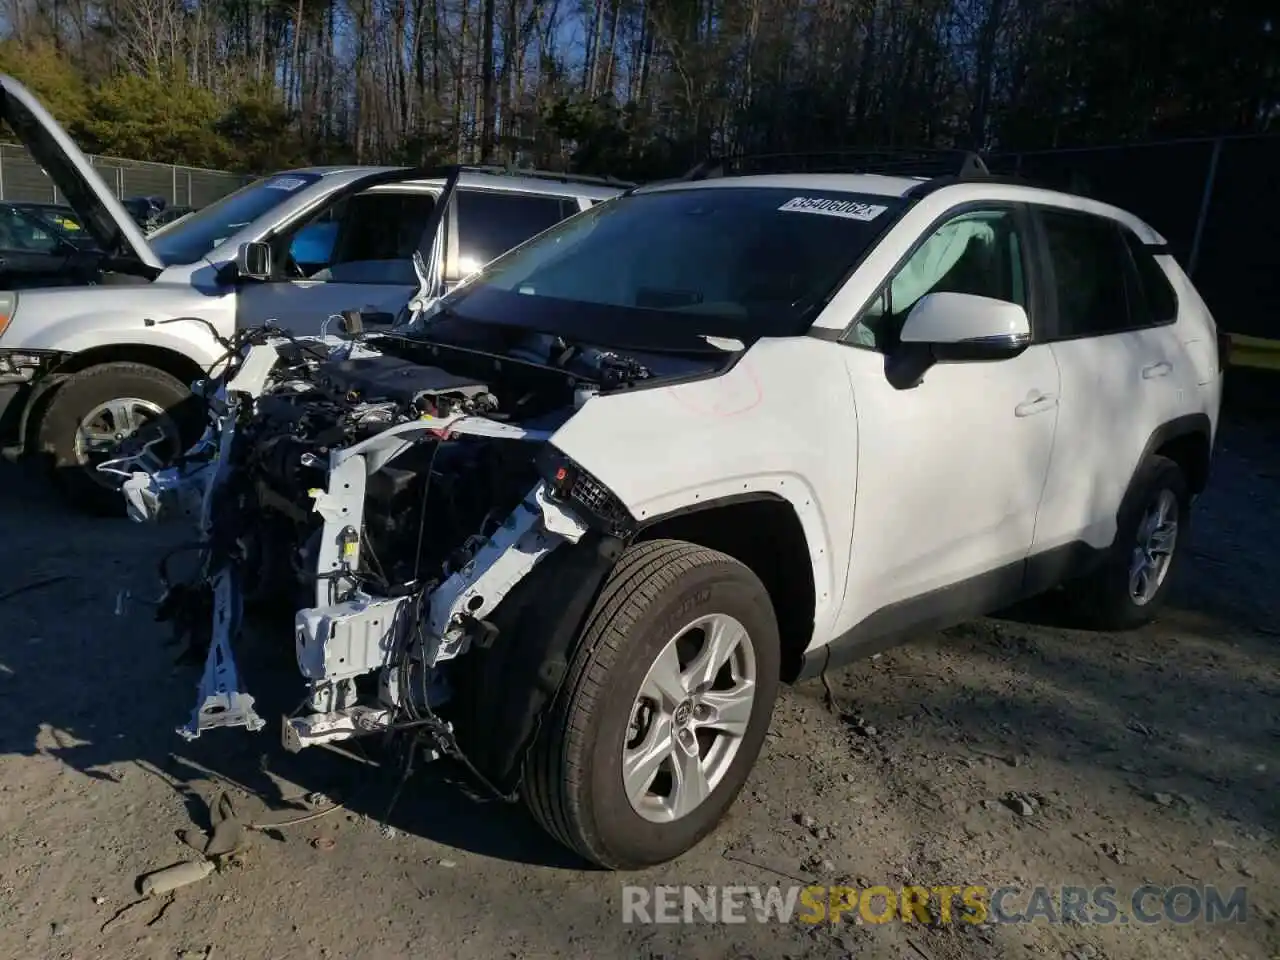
(849, 209)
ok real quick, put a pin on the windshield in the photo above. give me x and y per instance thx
(192, 237)
(744, 262)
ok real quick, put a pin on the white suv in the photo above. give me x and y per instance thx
(576, 525)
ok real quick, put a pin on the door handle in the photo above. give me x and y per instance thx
(1037, 404)
(1153, 370)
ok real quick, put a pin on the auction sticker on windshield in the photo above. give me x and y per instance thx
(849, 209)
(285, 183)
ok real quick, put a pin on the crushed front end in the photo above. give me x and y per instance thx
(390, 493)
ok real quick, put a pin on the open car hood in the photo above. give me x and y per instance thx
(100, 212)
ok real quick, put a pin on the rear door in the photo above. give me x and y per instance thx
(100, 212)
(1122, 374)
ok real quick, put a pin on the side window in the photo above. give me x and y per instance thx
(368, 238)
(20, 232)
(978, 252)
(1153, 301)
(491, 223)
(312, 246)
(1090, 264)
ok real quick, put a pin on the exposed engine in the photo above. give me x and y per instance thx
(388, 492)
(421, 512)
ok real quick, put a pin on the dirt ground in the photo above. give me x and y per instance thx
(1003, 752)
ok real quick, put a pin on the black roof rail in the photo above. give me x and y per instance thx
(937, 183)
(558, 176)
(900, 162)
(705, 169)
(936, 168)
(702, 170)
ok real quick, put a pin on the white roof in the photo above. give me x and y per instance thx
(872, 183)
(949, 195)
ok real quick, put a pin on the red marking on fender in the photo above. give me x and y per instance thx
(723, 407)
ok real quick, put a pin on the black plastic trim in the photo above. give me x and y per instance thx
(733, 499)
(940, 183)
(15, 431)
(517, 677)
(12, 406)
(947, 606)
(1187, 425)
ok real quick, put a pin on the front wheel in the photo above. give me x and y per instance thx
(114, 410)
(664, 708)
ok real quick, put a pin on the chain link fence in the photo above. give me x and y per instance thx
(21, 178)
(1217, 202)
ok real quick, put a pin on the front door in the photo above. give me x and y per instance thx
(355, 255)
(950, 471)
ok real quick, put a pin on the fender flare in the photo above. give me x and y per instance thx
(1188, 425)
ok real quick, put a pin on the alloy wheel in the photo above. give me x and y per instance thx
(1153, 553)
(124, 427)
(689, 718)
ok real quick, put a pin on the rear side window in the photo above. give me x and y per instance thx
(491, 223)
(1154, 301)
(1090, 263)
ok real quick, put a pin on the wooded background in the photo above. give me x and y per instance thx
(636, 88)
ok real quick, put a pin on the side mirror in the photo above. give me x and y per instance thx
(955, 327)
(964, 326)
(253, 261)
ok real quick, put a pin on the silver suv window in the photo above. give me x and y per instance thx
(189, 239)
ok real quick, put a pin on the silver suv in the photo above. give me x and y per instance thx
(92, 372)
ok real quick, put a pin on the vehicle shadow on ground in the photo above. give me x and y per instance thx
(100, 692)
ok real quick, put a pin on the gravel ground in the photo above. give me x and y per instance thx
(1004, 752)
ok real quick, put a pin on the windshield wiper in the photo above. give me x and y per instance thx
(122, 263)
(707, 345)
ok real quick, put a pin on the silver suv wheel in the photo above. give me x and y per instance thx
(689, 718)
(1153, 554)
(122, 427)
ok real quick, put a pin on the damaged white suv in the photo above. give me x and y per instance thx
(578, 522)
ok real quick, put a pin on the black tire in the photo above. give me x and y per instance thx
(76, 397)
(1104, 600)
(573, 774)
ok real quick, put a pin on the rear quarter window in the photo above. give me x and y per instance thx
(491, 222)
(1155, 300)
